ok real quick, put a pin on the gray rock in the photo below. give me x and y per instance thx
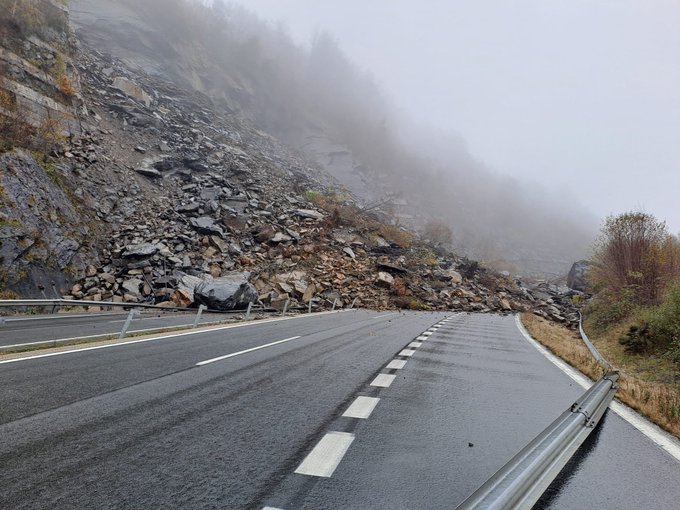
(189, 208)
(140, 250)
(384, 280)
(206, 225)
(147, 168)
(349, 252)
(578, 274)
(132, 287)
(279, 237)
(309, 213)
(229, 292)
(131, 89)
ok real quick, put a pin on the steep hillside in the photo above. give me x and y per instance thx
(314, 99)
(163, 195)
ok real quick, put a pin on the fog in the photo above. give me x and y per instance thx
(581, 97)
(519, 126)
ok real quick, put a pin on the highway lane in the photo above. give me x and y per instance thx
(22, 330)
(187, 436)
(142, 425)
(474, 395)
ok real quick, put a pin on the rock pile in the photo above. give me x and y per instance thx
(191, 205)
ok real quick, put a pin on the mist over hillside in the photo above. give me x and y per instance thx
(316, 100)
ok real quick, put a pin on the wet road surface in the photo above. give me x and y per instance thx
(348, 410)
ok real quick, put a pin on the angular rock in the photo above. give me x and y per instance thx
(206, 225)
(131, 89)
(140, 250)
(231, 292)
(309, 213)
(384, 280)
(577, 277)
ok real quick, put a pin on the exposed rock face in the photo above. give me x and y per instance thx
(231, 292)
(577, 277)
(42, 233)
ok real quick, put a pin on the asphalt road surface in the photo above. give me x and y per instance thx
(332, 411)
(29, 329)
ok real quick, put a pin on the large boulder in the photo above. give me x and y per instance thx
(230, 292)
(578, 274)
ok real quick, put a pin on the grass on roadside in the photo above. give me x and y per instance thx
(657, 401)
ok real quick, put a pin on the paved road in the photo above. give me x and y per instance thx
(153, 425)
(23, 330)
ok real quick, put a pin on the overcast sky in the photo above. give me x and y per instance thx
(579, 94)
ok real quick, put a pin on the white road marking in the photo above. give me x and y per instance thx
(396, 364)
(162, 337)
(383, 380)
(407, 352)
(233, 354)
(385, 315)
(326, 455)
(271, 508)
(422, 338)
(362, 407)
(415, 345)
(658, 436)
(427, 333)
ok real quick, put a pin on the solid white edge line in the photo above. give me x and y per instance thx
(383, 380)
(361, 408)
(162, 337)
(326, 455)
(654, 433)
(396, 364)
(245, 351)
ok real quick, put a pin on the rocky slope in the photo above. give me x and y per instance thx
(164, 197)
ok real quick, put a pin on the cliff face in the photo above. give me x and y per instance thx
(37, 75)
(42, 230)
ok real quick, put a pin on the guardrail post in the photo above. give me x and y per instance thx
(250, 307)
(354, 302)
(128, 321)
(335, 302)
(198, 315)
(285, 307)
(309, 307)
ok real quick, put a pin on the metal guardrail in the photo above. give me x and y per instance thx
(522, 481)
(593, 350)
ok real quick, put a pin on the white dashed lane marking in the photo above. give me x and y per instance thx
(326, 455)
(383, 380)
(421, 338)
(415, 345)
(396, 364)
(407, 352)
(362, 407)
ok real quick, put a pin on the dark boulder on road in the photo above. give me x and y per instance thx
(231, 292)
(577, 277)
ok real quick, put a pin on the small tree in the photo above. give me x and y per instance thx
(631, 256)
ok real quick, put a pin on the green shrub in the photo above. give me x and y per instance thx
(657, 328)
(608, 308)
